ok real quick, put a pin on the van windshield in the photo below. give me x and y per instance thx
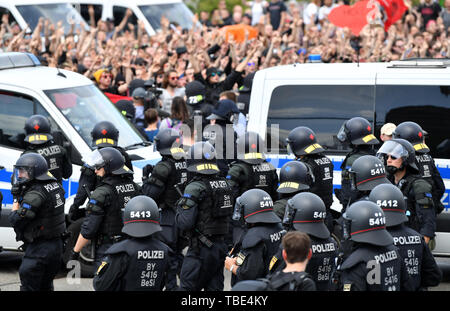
(55, 12)
(85, 106)
(175, 12)
(322, 108)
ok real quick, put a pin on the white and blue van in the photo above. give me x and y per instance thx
(73, 104)
(323, 96)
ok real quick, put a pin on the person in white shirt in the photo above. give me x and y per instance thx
(324, 10)
(310, 13)
(257, 8)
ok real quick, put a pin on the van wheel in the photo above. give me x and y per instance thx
(87, 254)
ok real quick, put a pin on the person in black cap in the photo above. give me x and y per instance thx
(221, 133)
(374, 264)
(140, 262)
(104, 134)
(212, 84)
(259, 242)
(103, 222)
(204, 213)
(295, 177)
(357, 134)
(128, 110)
(422, 268)
(306, 212)
(243, 99)
(39, 139)
(196, 102)
(400, 161)
(414, 133)
(167, 174)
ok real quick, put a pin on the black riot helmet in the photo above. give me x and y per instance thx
(110, 158)
(195, 93)
(168, 143)
(306, 212)
(201, 159)
(392, 201)
(29, 167)
(37, 130)
(357, 131)
(302, 141)
(367, 172)
(294, 176)
(104, 134)
(398, 148)
(364, 222)
(141, 217)
(255, 206)
(250, 148)
(413, 133)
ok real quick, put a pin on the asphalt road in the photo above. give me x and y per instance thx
(10, 281)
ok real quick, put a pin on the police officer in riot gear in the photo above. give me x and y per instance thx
(196, 101)
(357, 133)
(204, 213)
(103, 222)
(38, 219)
(399, 158)
(413, 133)
(302, 142)
(306, 212)
(259, 242)
(140, 262)
(167, 174)
(39, 139)
(104, 134)
(375, 264)
(422, 268)
(221, 134)
(251, 170)
(295, 177)
(366, 173)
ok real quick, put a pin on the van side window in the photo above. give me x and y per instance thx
(323, 108)
(3, 11)
(427, 105)
(14, 111)
(84, 12)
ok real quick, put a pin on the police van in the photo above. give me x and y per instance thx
(322, 96)
(73, 104)
(26, 13)
(147, 11)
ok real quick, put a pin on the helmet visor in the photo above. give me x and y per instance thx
(342, 134)
(21, 174)
(288, 214)
(95, 160)
(394, 149)
(237, 210)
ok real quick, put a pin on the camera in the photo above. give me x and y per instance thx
(152, 94)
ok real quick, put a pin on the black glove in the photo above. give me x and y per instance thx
(74, 255)
(72, 216)
(16, 190)
(146, 170)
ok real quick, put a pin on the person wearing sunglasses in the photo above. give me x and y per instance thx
(399, 159)
(170, 90)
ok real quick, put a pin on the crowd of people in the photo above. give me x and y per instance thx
(120, 58)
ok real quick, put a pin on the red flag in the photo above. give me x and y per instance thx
(394, 10)
(115, 98)
(353, 17)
